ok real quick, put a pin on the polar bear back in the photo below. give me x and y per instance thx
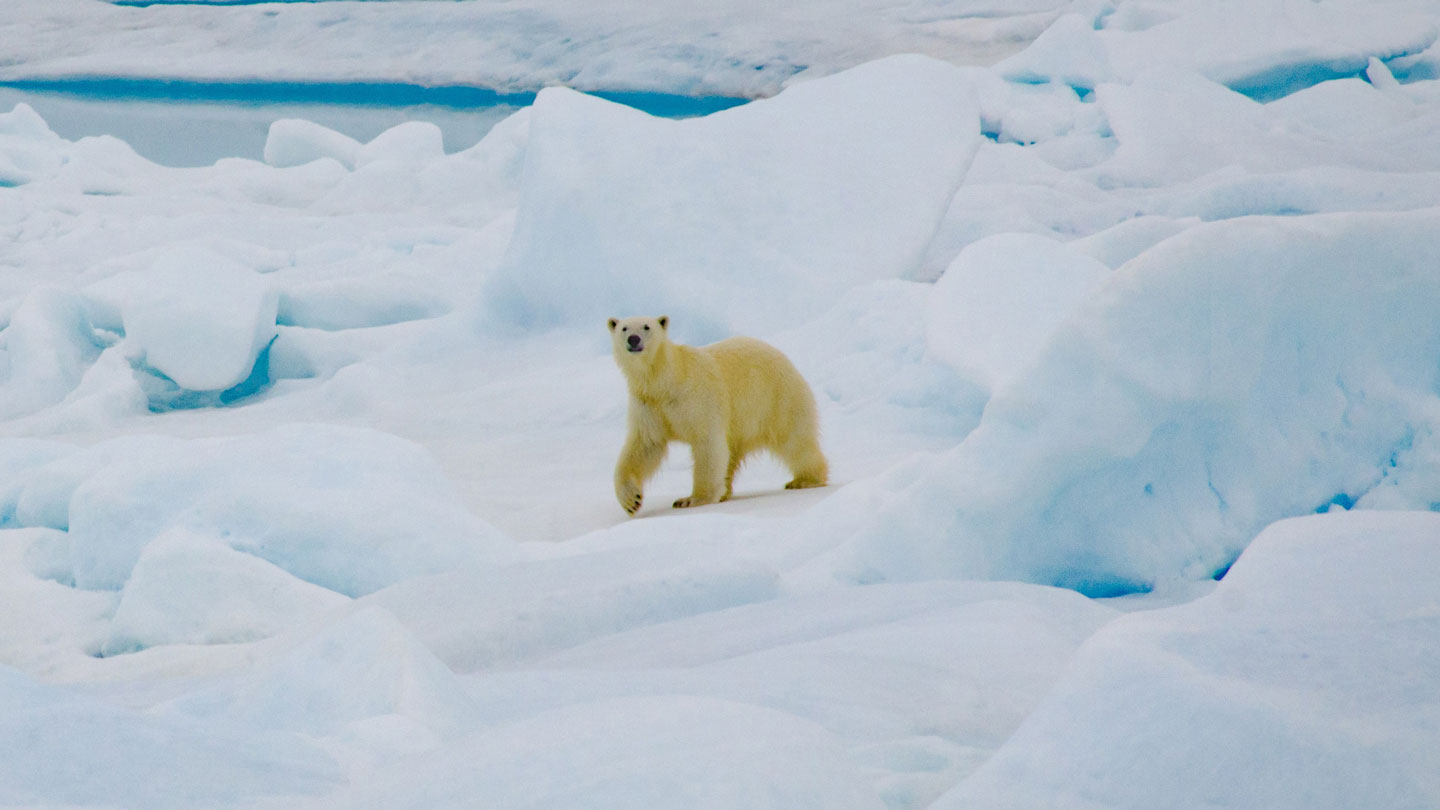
(768, 399)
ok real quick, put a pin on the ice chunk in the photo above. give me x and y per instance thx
(1069, 52)
(410, 142)
(349, 509)
(997, 305)
(44, 493)
(201, 318)
(1281, 46)
(1296, 684)
(1232, 375)
(23, 122)
(20, 458)
(44, 351)
(356, 303)
(190, 589)
(292, 142)
(27, 147)
(359, 668)
(752, 218)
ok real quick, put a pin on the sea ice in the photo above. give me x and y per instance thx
(348, 509)
(189, 589)
(44, 351)
(999, 302)
(611, 222)
(1232, 375)
(200, 318)
(1302, 681)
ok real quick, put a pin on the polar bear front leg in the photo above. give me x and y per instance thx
(638, 461)
(711, 454)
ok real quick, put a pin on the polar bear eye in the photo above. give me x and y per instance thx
(647, 327)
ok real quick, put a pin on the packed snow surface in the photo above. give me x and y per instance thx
(305, 461)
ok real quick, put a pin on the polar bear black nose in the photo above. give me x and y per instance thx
(634, 341)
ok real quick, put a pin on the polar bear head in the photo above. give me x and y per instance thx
(638, 337)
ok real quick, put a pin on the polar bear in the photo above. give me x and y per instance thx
(725, 400)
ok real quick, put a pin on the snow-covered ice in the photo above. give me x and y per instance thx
(769, 218)
(1120, 317)
(1304, 679)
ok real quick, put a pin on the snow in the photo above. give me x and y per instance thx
(635, 753)
(1119, 316)
(46, 348)
(293, 142)
(1235, 374)
(348, 509)
(787, 218)
(1000, 302)
(730, 48)
(362, 667)
(199, 318)
(1300, 679)
(190, 589)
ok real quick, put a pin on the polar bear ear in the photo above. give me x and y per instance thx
(613, 323)
(664, 321)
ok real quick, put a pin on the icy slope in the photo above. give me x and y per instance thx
(751, 213)
(1304, 680)
(1230, 376)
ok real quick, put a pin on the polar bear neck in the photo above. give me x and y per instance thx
(649, 375)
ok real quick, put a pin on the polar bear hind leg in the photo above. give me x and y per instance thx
(801, 453)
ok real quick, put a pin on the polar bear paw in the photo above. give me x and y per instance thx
(630, 498)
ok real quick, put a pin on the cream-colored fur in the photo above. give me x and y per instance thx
(725, 400)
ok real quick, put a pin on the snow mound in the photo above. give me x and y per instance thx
(411, 142)
(19, 459)
(42, 494)
(348, 509)
(1116, 245)
(747, 219)
(1069, 52)
(640, 753)
(188, 589)
(1296, 684)
(867, 355)
(293, 142)
(499, 616)
(44, 351)
(201, 319)
(1235, 374)
(130, 759)
(354, 670)
(999, 302)
(27, 147)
